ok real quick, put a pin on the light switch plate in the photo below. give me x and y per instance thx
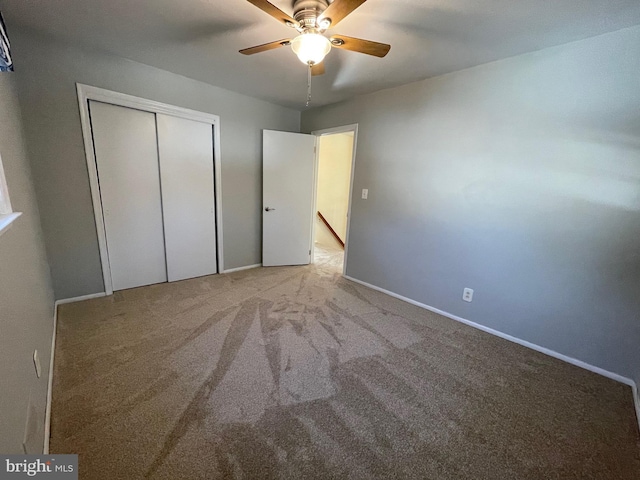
(365, 193)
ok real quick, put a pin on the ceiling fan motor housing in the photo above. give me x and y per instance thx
(311, 18)
(306, 13)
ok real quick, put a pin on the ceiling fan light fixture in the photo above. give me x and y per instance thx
(311, 48)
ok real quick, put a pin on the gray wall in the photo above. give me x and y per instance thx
(48, 72)
(26, 296)
(519, 179)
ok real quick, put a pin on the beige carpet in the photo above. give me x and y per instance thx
(295, 372)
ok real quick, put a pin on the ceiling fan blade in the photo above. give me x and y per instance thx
(317, 69)
(275, 12)
(358, 45)
(339, 9)
(265, 47)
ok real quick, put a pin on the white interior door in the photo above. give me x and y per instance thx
(127, 162)
(188, 200)
(287, 197)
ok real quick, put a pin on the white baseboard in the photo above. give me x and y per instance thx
(47, 415)
(80, 299)
(636, 400)
(239, 269)
(524, 343)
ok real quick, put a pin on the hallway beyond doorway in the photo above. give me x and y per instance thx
(327, 251)
(333, 189)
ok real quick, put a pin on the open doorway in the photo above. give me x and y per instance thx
(334, 171)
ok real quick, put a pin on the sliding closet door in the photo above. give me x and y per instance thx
(127, 160)
(186, 171)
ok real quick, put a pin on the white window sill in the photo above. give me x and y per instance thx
(7, 220)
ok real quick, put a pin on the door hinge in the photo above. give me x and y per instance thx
(309, 252)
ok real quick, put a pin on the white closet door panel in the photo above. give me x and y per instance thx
(126, 150)
(188, 201)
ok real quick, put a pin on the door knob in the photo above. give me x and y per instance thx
(268, 209)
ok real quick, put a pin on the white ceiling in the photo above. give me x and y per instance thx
(201, 38)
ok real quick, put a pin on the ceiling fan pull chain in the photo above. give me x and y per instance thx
(309, 86)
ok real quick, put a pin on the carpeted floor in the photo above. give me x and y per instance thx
(295, 372)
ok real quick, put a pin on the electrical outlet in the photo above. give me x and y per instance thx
(36, 363)
(467, 295)
(365, 193)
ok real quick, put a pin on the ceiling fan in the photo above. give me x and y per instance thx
(311, 18)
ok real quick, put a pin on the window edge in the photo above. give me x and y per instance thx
(7, 219)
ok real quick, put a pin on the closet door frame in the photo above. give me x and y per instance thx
(86, 93)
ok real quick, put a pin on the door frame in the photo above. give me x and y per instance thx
(86, 93)
(320, 133)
